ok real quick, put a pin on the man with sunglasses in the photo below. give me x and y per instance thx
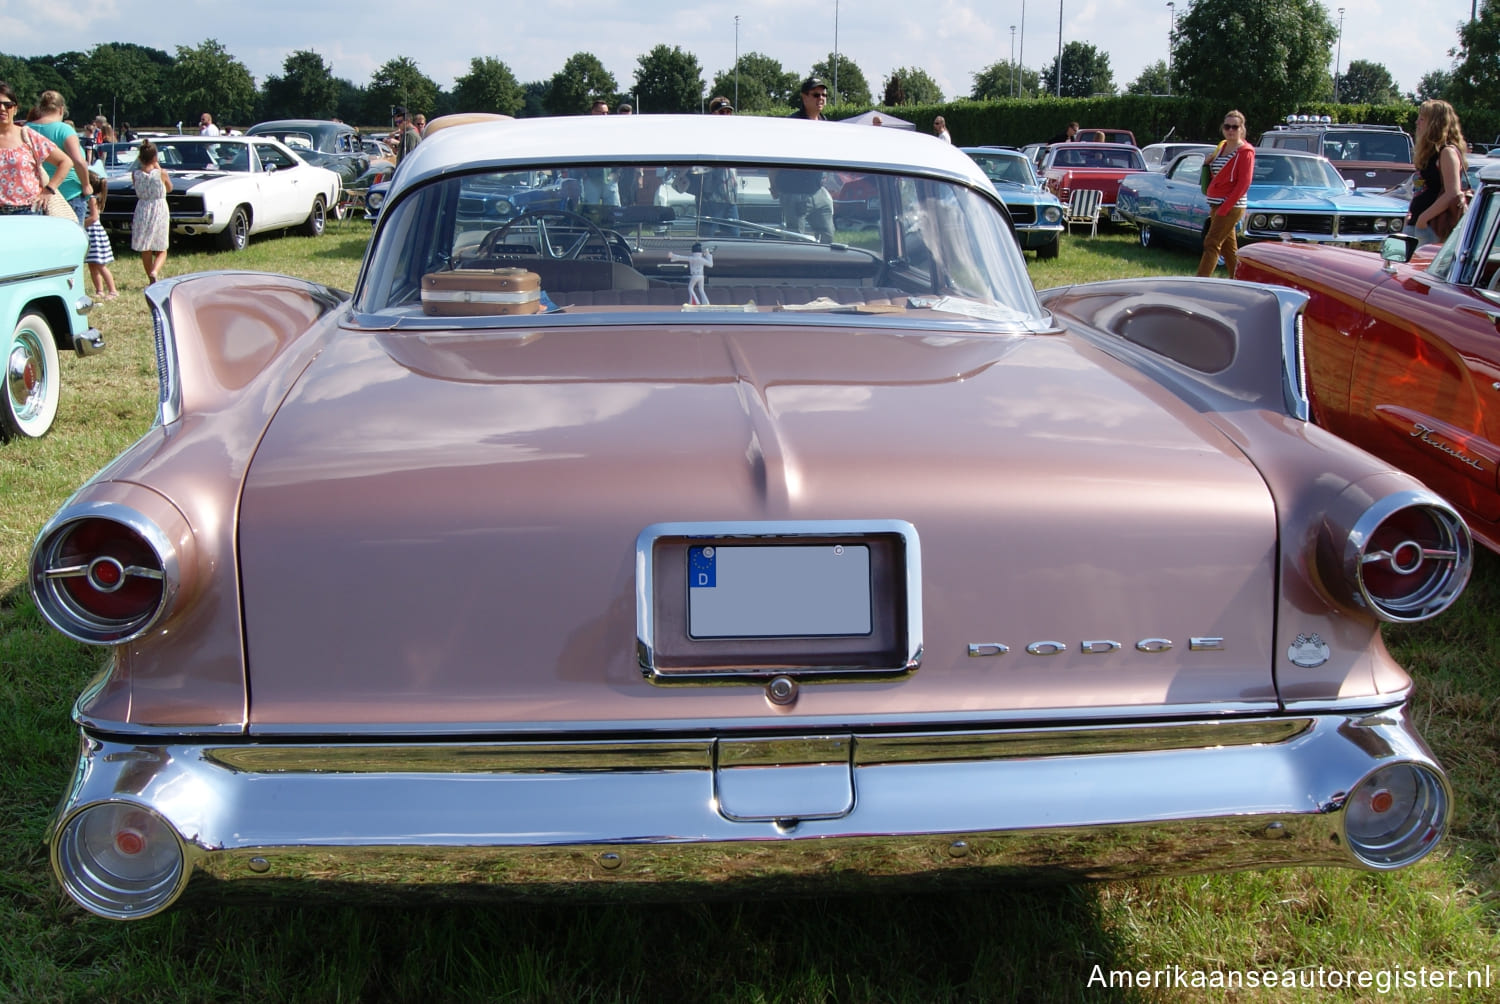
(814, 98)
(404, 136)
(806, 206)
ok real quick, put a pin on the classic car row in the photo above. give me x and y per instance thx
(44, 310)
(523, 569)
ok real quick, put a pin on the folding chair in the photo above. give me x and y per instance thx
(1083, 209)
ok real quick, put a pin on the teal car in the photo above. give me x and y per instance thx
(1035, 212)
(1293, 197)
(44, 306)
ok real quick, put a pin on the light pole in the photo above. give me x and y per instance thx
(1339, 60)
(1012, 60)
(736, 61)
(835, 95)
(1020, 78)
(1059, 47)
(1171, 38)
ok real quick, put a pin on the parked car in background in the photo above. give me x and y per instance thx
(1370, 157)
(1124, 136)
(523, 570)
(229, 188)
(1035, 212)
(114, 160)
(1294, 196)
(44, 310)
(1402, 354)
(1090, 165)
(1474, 166)
(334, 145)
(1159, 156)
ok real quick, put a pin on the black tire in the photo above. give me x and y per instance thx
(236, 234)
(33, 379)
(1146, 235)
(317, 220)
(1049, 250)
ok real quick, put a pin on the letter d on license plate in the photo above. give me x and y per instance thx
(773, 591)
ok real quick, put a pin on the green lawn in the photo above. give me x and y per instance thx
(1024, 945)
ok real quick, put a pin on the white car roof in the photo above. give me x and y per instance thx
(668, 139)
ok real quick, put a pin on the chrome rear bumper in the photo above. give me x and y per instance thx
(703, 816)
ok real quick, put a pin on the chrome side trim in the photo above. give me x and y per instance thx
(168, 367)
(1065, 804)
(41, 273)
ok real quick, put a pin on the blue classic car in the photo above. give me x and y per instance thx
(1036, 213)
(45, 308)
(1295, 196)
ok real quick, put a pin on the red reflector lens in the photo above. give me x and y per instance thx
(129, 842)
(114, 589)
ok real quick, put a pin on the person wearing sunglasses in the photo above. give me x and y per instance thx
(22, 152)
(1232, 168)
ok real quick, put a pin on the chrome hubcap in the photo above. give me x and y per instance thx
(25, 376)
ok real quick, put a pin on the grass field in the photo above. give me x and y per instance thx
(1023, 945)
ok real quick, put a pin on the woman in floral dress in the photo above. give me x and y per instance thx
(149, 226)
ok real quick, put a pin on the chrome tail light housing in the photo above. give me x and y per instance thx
(1406, 557)
(120, 860)
(1396, 815)
(105, 573)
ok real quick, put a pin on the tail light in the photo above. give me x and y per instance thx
(106, 574)
(1408, 557)
(1396, 815)
(120, 860)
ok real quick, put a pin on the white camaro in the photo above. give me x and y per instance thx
(230, 187)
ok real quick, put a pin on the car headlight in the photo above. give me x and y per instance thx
(1380, 225)
(374, 200)
(1278, 222)
(1052, 214)
(502, 208)
(1258, 221)
(1398, 224)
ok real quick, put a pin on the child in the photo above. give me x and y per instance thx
(100, 254)
(150, 225)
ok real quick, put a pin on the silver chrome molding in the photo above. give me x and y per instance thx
(619, 818)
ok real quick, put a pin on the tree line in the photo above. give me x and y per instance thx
(1282, 60)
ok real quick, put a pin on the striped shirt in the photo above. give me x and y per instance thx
(1219, 163)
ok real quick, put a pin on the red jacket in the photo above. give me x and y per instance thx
(1233, 179)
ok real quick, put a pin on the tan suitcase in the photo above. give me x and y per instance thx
(471, 292)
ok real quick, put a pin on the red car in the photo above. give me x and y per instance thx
(1090, 165)
(1402, 355)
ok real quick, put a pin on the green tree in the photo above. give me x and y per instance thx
(1085, 72)
(208, 79)
(535, 105)
(489, 86)
(668, 80)
(763, 84)
(1002, 79)
(352, 102)
(1367, 83)
(574, 87)
(399, 82)
(852, 87)
(911, 85)
(1476, 75)
(306, 88)
(1153, 80)
(1280, 53)
(1434, 84)
(123, 81)
(18, 73)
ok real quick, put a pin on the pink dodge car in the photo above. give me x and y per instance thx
(639, 548)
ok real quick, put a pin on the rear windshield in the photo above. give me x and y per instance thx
(730, 239)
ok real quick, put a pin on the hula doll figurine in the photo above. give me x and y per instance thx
(697, 261)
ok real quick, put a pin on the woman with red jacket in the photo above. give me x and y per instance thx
(1232, 168)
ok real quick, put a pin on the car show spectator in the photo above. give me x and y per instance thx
(1066, 135)
(404, 136)
(813, 99)
(419, 123)
(99, 254)
(599, 107)
(1231, 170)
(206, 125)
(51, 111)
(625, 108)
(1438, 203)
(806, 206)
(719, 105)
(150, 226)
(940, 129)
(127, 134)
(23, 151)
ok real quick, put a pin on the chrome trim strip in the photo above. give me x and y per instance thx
(1274, 794)
(41, 273)
(645, 586)
(168, 367)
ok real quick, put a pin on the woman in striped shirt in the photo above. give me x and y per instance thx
(1233, 167)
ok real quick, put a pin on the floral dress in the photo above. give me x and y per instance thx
(19, 182)
(148, 228)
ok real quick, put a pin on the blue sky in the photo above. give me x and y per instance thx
(950, 39)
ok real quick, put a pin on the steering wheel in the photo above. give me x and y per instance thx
(565, 220)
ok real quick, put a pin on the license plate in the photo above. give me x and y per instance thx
(776, 591)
